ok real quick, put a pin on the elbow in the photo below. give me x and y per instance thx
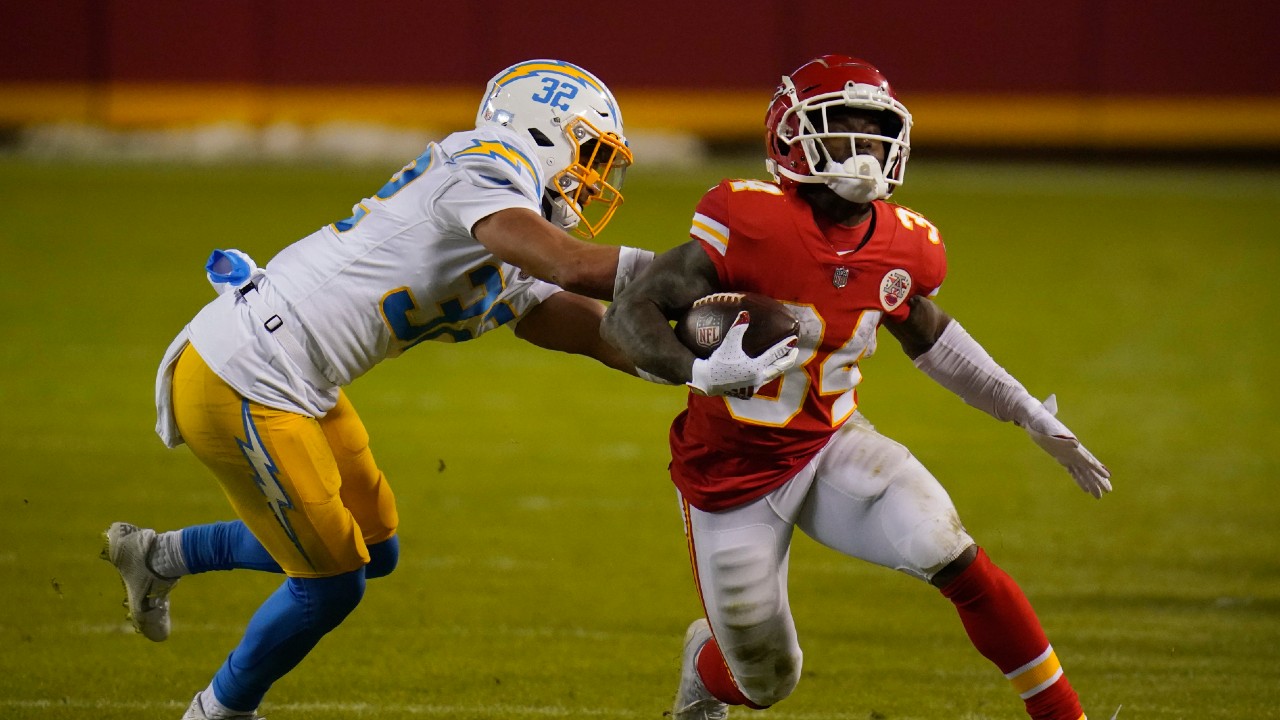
(619, 328)
(609, 329)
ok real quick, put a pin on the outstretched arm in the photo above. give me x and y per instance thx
(921, 329)
(639, 324)
(945, 352)
(571, 323)
(525, 239)
(639, 320)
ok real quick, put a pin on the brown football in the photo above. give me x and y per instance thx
(704, 325)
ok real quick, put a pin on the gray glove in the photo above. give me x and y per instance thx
(1054, 438)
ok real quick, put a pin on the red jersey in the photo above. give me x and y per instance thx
(840, 282)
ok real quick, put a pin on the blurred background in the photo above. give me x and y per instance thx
(1105, 174)
(297, 77)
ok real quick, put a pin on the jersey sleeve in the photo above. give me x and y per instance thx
(929, 251)
(933, 256)
(710, 226)
(492, 171)
(463, 205)
(521, 292)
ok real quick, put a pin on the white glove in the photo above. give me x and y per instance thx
(730, 371)
(1054, 438)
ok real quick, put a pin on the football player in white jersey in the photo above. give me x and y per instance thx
(469, 236)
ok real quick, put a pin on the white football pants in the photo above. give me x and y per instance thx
(863, 495)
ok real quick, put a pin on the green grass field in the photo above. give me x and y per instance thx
(544, 573)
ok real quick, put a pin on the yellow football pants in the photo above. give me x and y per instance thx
(308, 488)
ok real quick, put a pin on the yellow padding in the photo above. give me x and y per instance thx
(940, 118)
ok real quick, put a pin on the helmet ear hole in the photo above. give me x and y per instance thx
(540, 138)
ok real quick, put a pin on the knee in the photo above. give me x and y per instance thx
(749, 605)
(923, 527)
(952, 570)
(773, 687)
(331, 598)
(383, 558)
(747, 594)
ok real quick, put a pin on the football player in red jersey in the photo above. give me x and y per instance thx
(753, 466)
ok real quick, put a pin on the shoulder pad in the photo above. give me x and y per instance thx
(495, 159)
(764, 187)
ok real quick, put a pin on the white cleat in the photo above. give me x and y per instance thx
(146, 593)
(693, 701)
(196, 712)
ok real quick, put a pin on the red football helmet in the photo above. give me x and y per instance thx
(796, 122)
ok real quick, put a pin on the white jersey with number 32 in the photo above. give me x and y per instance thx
(402, 269)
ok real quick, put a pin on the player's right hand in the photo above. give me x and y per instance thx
(730, 371)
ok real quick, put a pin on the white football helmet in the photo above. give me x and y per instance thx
(574, 122)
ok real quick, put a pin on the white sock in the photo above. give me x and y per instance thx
(166, 558)
(215, 710)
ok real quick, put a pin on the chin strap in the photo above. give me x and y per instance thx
(557, 212)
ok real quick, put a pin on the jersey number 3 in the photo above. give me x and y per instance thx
(411, 324)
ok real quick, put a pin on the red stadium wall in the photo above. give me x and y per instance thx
(1088, 72)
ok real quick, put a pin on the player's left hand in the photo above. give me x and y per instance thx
(1054, 438)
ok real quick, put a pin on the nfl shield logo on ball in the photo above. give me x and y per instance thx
(707, 332)
(894, 288)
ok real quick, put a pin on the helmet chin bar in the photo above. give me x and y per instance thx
(559, 211)
(860, 180)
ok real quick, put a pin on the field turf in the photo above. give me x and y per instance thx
(544, 573)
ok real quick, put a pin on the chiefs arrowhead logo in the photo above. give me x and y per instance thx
(894, 288)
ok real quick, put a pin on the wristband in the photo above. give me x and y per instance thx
(631, 262)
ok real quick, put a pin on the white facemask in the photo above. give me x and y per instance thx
(865, 181)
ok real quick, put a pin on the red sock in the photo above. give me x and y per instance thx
(717, 678)
(1004, 628)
